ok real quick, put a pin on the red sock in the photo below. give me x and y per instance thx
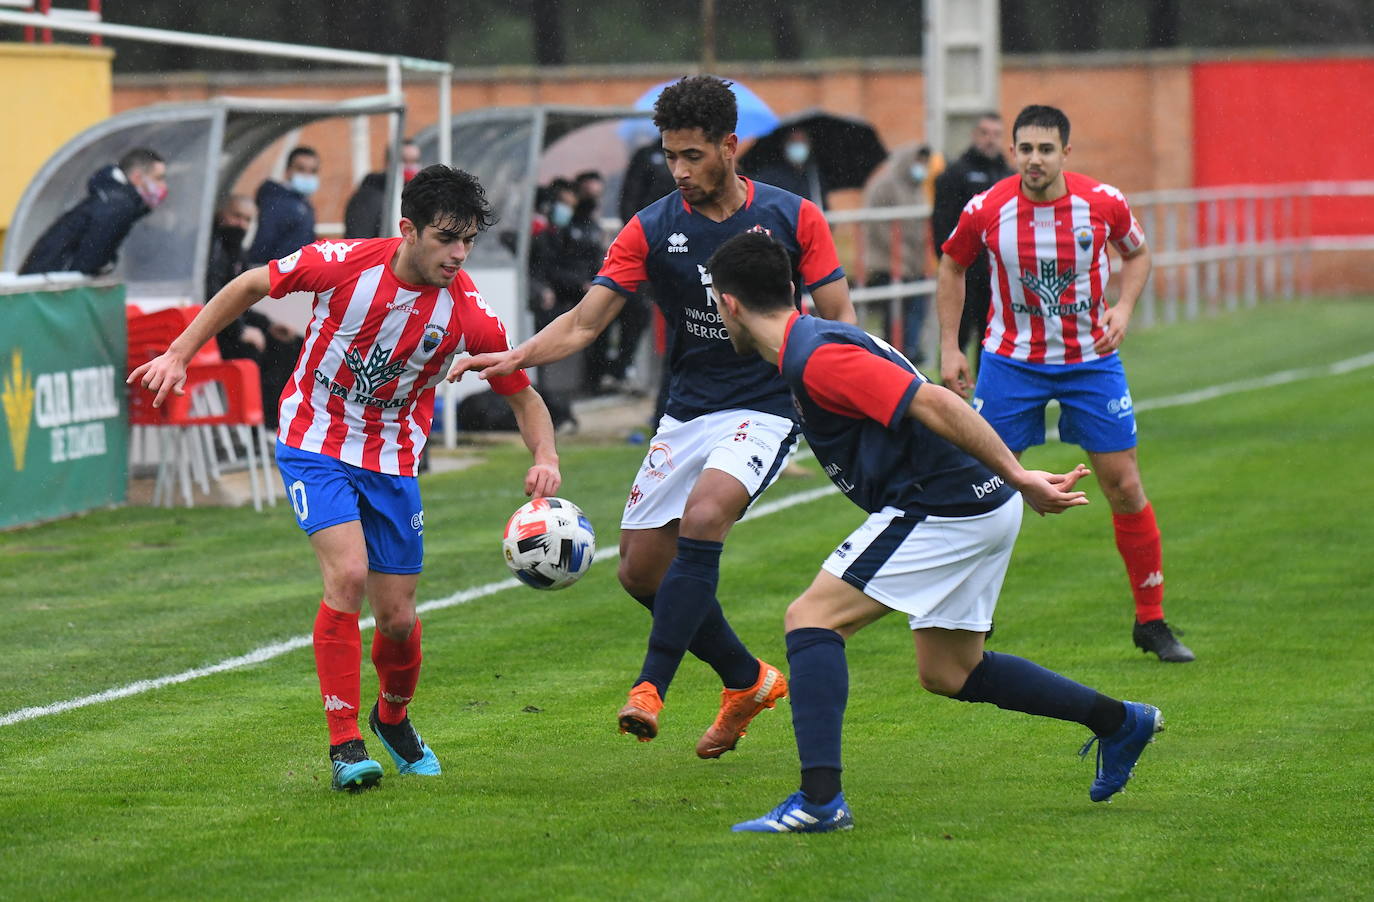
(398, 670)
(338, 661)
(1137, 538)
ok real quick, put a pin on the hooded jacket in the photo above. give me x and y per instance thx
(87, 237)
(893, 186)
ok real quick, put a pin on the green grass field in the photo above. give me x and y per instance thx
(217, 788)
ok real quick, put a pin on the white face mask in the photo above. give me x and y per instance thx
(918, 172)
(561, 214)
(304, 182)
(798, 153)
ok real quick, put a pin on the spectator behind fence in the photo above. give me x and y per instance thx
(799, 174)
(365, 215)
(273, 346)
(551, 283)
(87, 237)
(584, 246)
(976, 170)
(902, 182)
(286, 220)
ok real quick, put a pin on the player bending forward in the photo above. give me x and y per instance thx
(389, 313)
(941, 492)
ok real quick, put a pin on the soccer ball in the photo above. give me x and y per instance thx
(549, 543)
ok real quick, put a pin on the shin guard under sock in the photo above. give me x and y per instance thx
(1137, 539)
(683, 601)
(398, 670)
(338, 663)
(1015, 684)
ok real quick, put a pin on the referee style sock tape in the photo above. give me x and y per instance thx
(277, 649)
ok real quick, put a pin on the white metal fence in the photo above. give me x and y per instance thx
(1213, 249)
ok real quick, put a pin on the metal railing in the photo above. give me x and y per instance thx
(1214, 249)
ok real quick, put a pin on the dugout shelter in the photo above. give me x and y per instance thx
(207, 146)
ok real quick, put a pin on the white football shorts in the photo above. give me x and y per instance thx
(941, 572)
(749, 445)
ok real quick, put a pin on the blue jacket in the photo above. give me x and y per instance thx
(87, 237)
(286, 223)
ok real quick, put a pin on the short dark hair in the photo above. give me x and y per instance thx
(301, 151)
(140, 158)
(756, 269)
(588, 175)
(1042, 117)
(698, 101)
(446, 198)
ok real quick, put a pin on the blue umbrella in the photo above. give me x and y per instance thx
(755, 118)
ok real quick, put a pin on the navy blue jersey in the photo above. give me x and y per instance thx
(852, 392)
(668, 244)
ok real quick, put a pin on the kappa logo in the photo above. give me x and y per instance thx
(975, 203)
(331, 249)
(1153, 580)
(677, 243)
(334, 703)
(1111, 191)
(17, 394)
(397, 699)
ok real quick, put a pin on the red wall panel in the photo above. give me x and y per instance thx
(1288, 121)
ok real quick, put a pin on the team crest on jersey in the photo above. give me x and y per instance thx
(758, 227)
(434, 334)
(1084, 236)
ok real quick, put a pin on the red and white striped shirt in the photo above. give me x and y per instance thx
(1049, 265)
(363, 388)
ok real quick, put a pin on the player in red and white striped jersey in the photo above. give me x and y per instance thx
(389, 315)
(1052, 336)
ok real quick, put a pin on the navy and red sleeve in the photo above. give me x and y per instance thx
(820, 262)
(853, 382)
(624, 268)
(965, 243)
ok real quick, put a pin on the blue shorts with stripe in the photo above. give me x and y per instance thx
(324, 491)
(1095, 409)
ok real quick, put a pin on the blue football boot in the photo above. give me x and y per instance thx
(405, 746)
(1118, 753)
(353, 770)
(797, 814)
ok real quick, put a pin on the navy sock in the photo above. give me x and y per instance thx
(684, 599)
(1016, 684)
(820, 784)
(818, 682)
(717, 645)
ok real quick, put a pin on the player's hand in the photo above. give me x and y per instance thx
(162, 375)
(497, 363)
(1043, 492)
(1114, 323)
(954, 373)
(542, 481)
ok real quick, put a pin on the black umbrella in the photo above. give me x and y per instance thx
(846, 149)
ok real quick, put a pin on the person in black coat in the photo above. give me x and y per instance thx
(273, 346)
(87, 237)
(286, 220)
(365, 214)
(977, 169)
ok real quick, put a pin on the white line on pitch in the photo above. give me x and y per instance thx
(277, 649)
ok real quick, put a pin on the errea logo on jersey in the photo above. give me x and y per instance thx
(677, 243)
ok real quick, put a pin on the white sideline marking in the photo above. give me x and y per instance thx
(277, 649)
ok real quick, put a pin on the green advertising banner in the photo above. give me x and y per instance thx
(66, 422)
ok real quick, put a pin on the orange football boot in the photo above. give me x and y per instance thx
(640, 714)
(738, 707)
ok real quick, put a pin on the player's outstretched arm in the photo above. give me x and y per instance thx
(833, 302)
(536, 428)
(949, 305)
(952, 419)
(561, 338)
(166, 374)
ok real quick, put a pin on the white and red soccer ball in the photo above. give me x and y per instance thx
(549, 543)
